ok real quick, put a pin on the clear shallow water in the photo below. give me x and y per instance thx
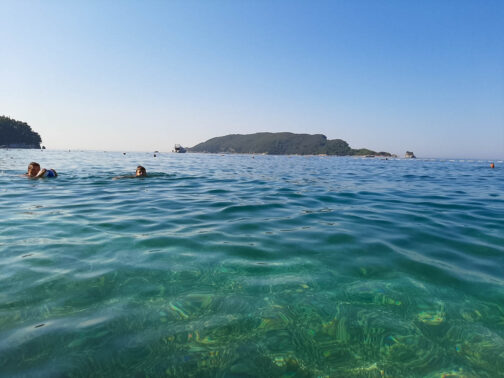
(231, 266)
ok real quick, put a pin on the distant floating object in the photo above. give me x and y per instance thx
(409, 155)
(492, 165)
(155, 155)
(179, 149)
(124, 153)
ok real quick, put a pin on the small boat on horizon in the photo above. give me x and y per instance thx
(179, 149)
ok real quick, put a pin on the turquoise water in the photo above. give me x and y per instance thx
(234, 266)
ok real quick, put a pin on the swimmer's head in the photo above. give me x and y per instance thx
(33, 169)
(140, 171)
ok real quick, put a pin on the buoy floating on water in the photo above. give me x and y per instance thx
(492, 165)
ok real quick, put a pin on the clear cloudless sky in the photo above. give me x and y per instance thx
(426, 76)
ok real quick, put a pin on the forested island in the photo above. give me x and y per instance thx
(281, 144)
(17, 134)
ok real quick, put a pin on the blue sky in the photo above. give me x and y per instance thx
(426, 76)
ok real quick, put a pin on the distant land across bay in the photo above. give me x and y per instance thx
(282, 144)
(17, 134)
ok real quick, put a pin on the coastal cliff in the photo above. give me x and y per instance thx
(281, 144)
(17, 134)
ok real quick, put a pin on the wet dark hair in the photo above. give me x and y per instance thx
(33, 164)
(141, 168)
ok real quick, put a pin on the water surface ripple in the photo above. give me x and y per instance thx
(237, 266)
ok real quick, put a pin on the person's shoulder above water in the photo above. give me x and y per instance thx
(34, 171)
(48, 173)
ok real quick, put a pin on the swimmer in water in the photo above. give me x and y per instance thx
(140, 171)
(34, 171)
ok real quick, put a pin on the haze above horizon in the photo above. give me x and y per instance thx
(390, 76)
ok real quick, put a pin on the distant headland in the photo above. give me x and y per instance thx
(282, 144)
(17, 134)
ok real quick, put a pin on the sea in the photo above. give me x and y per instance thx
(250, 266)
